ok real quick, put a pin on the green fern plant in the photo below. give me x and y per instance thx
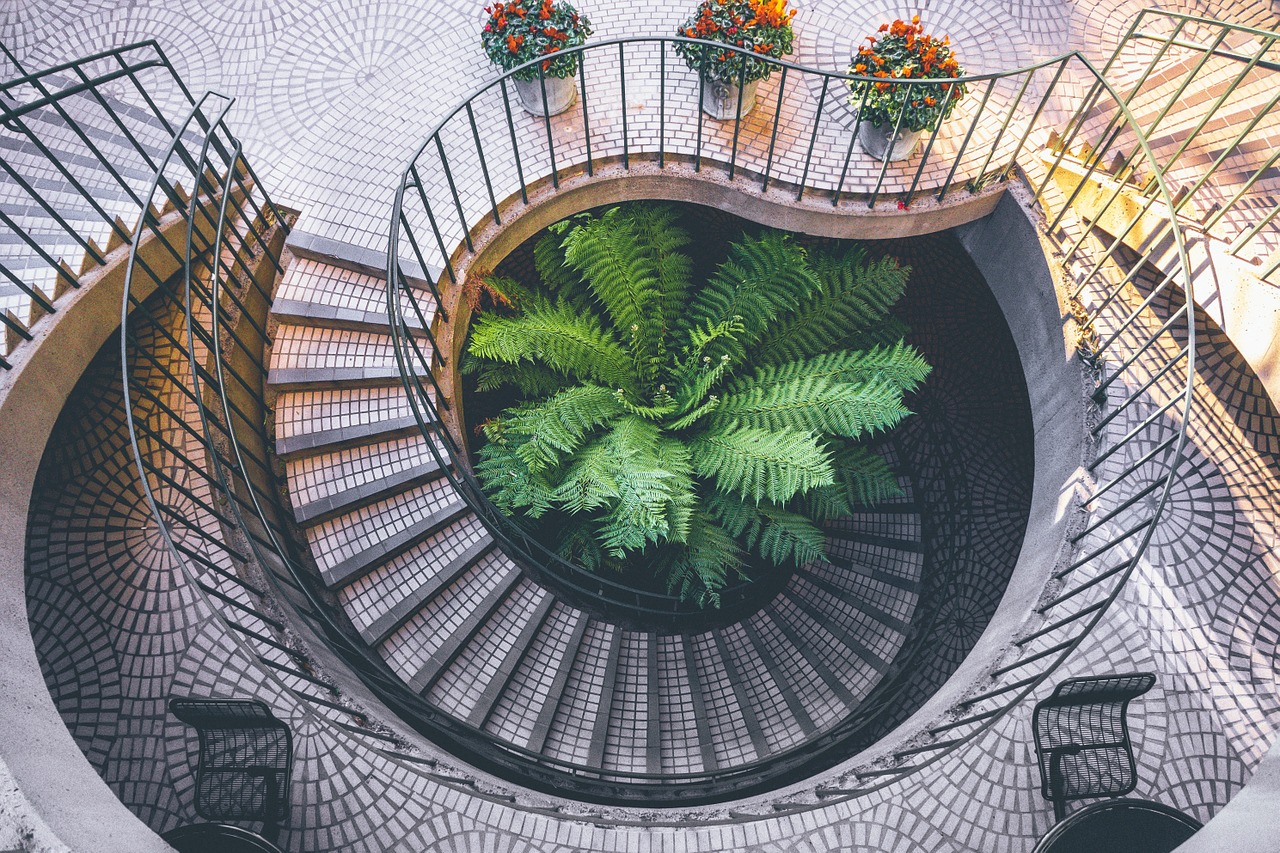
(680, 429)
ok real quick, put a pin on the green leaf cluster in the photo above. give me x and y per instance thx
(687, 429)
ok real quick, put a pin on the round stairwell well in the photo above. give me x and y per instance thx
(835, 656)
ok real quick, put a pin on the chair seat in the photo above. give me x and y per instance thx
(217, 838)
(1120, 826)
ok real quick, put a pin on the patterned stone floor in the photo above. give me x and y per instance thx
(334, 95)
(332, 98)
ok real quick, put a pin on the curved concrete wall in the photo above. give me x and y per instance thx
(46, 764)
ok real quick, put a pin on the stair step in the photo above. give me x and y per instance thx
(371, 557)
(556, 689)
(299, 378)
(521, 645)
(294, 312)
(303, 356)
(314, 420)
(846, 637)
(862, 600)
(356, 496)
(403, 610)
(434, 666)
(325, 440)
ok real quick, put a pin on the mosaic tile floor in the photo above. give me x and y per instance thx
(332, 98)
(334, 95)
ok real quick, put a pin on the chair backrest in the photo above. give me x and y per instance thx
(1082, 737)
(246, 758)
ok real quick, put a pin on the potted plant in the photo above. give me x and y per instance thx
(676, 428)
(760, 26)
(519, 31)
(892, 115)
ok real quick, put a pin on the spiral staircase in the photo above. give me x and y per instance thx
(274, 499)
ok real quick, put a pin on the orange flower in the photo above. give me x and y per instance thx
(930, 101)
(514, 42)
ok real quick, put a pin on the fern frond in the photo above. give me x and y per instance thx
(545, 433)
(899, 363)
(851, 297)
(826, 503)
(589, 482)
(639, 514)
(762, 464)
(776, 534)
(761, 280)
(611, 258)
(659, 232)
(577, 542)
(509, 482)
(812, 403)
(528, 379)
(703, 566)
(887, 332)
(574, 344)
(673, 456)
(548, 260)
(864, 475)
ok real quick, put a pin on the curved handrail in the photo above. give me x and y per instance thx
(1048, 626)
(575, 581)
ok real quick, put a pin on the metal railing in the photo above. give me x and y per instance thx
(201, 446)
(467, 178)
(78, 143)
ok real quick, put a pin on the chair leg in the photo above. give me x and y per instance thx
(1059, 810)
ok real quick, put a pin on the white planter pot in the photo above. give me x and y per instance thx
(561, 93)
(720, 100)
(883, 144)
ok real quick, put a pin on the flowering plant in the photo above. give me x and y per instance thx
(761, 26)
(522, 30)
(906, 53)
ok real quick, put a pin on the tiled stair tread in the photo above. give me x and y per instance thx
(571, 735)
(633, 738)
(296, 312)
(290, 378)
(861, 599)
(484, 609)
(911, 546)
(847, 674)
(742, 695)
(333, 439)
(387, 624)
(518, 703)
(556, 689)
(521, 645)
(853, 564)
(824, 698)
(364, 527)
(735, 736)
(365, 493)
(326, 410)
(856, 621)
(846, 637)
(368, 559)
(607, 693)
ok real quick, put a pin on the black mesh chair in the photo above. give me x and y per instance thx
(1082, 739)
(246, 755)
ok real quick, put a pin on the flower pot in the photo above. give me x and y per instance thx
(561, 93)
(883, 144)
(720, 100)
